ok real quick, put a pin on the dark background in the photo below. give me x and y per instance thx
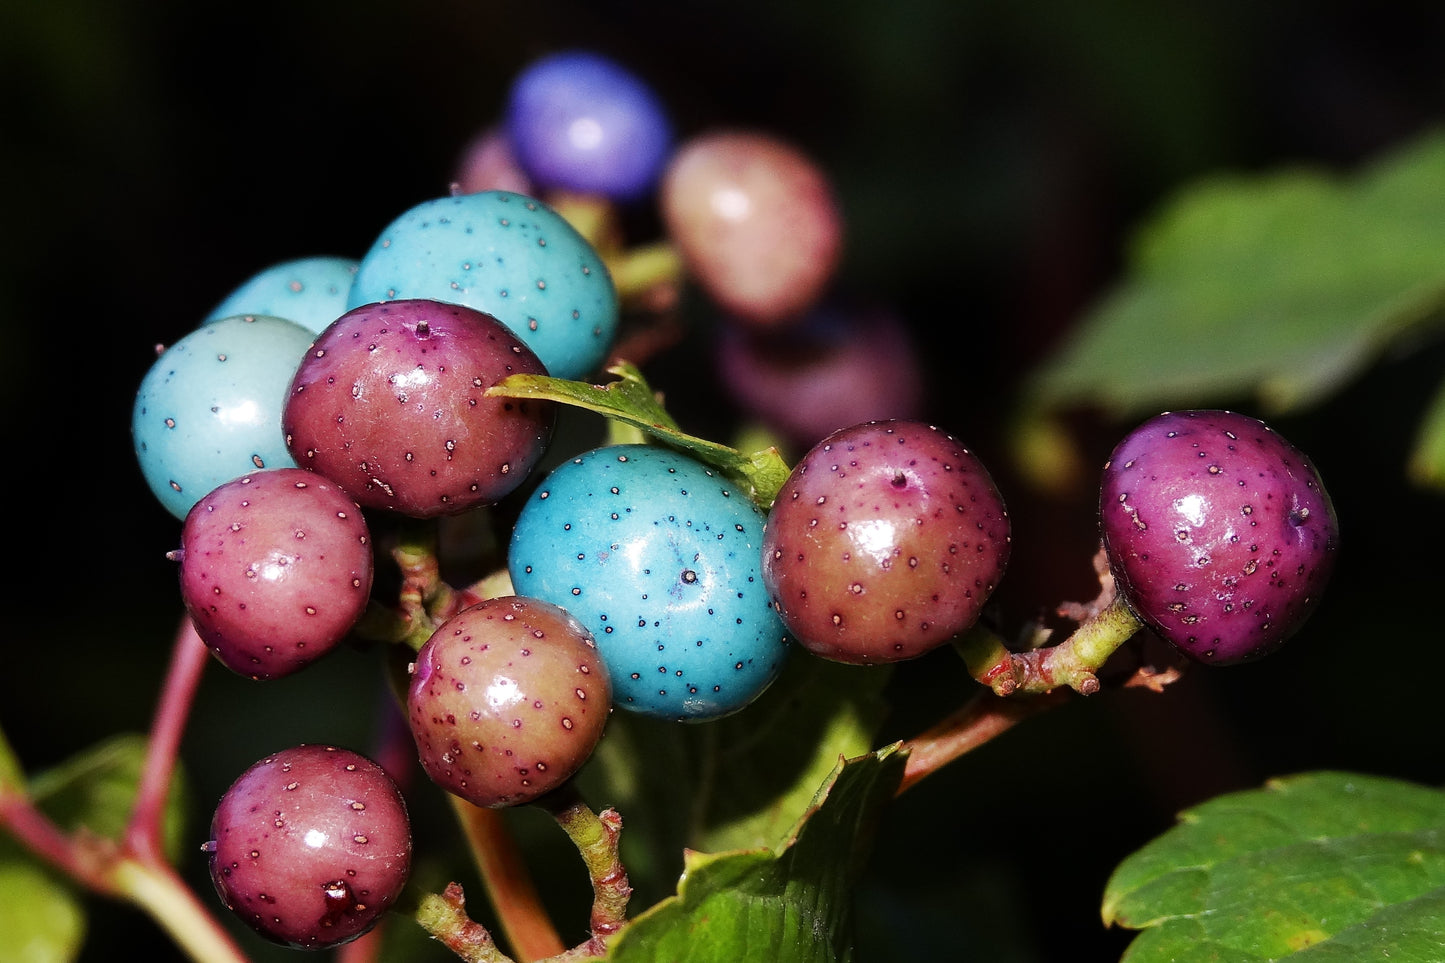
(990, 158)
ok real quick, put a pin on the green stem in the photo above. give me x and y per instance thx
(160, 892)
(596, 837)
(445, 917)
(1074, 662)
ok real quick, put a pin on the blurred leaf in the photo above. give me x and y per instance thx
(41, 921)
(632, 401)
(1279, 286)
(96, 787)
(1320, 866)
(788, 906)
(1427, 461)
(739, 782)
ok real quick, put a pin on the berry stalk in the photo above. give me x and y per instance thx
(445, 917)
(596, 836)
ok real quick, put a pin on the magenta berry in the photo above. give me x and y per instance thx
(390, 403)
(275, 569)
(885, 542)
(507, 700)
(310, 846)
(1219, 533)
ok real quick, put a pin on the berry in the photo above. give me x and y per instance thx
(311, 291)
(488, 163)
(507, 700)
(310, 846)
(582, 122)
(1219, 533)
(661, 559)
(507, 255)
(275, 570)
(391, 404)
(841, 365)
(885, 542)
(756, 222)
(209, 408)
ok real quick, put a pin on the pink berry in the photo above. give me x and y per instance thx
(390, 403)
(507, 700)
(1219, 533)
(275, 569)
(310, 846)
(885, 542)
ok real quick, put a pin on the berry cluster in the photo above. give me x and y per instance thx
(327, 397)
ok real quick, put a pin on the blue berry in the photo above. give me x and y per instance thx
(661, 559)
(506, 255)
(311, 291)
(209, 408)
(580, 121)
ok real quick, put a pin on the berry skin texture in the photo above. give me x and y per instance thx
(508, 255)
(884, 543)
(310, 291)
(275, 569)
(310, 846)
(209, 408)
(390, 403)
(661, 559)
(1219, 533)
(507, 700)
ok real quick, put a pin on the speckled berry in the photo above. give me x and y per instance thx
(884, 543)
(508, 255)
(311, 291)
(507, 700)
(275, 569)
(391, 404)
(1219, 533)
(310, 846)
(660, 557)
(209, 408)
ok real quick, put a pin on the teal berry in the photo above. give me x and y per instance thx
(660, 557)
(209, 408)
(509, 256)
(311, 291)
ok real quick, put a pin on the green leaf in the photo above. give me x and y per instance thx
(1427, 460)
(96, 787)
(40, 917)
(632, 401)
(792, 905)
(1320, 866)
(739, 782)
(1278, 286)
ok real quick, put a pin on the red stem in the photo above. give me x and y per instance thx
(189, 658)
(971, 725)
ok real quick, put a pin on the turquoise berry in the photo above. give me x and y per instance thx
(209, 408)
(509, 256)
(660, 557)
(311, 291)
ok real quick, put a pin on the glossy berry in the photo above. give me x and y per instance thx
(507, 700)
(275, 570)
(508, 255)
(391, 404)
(756, 221)
(310, 846)
(209, 408)
(311, 291)
(582, 122)
(660, 557)
(885, 542)
(1219, 532)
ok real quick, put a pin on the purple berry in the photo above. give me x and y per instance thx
(276, 569)
(581, 121)
(390, 403)
(310, 846)
(507, 700)
(1219, 533)
(885, 542)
